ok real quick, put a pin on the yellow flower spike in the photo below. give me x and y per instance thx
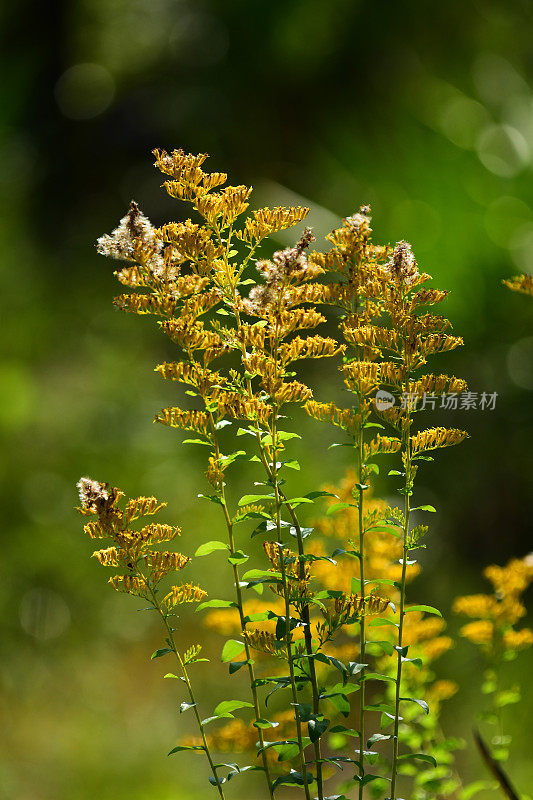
(434, 438)
(379, 445)
(310, 347)
(197, 421)
(145, 304)
(329, 412)
(265, 221)
(479, 632)
(161, 563)
(129, 584)
(479, 606)
(518, 640)
(110, 557)
(142, 507)
(185, 593)
(521, 283)
(157, 532)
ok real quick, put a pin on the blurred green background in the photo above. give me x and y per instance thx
(423, 110)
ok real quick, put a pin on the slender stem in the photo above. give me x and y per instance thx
(286, 593)
(189, 688)
(407, 497)
(362, 732)
(236, 578)
(308, 638)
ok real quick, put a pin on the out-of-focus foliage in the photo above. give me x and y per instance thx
(423, 111)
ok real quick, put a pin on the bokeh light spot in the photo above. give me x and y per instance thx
(521, 247)
(504, 216)
(520, 363)
(462, 120)
(84, 91)
(496, 79)
(502, 150)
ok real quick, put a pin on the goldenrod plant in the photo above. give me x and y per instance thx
(339, 665)
(494, 629)
(143, 571)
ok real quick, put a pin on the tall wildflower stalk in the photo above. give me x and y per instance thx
(393, 339)
(353, 261)
(411, 338)
(237, 339)
(145, 569)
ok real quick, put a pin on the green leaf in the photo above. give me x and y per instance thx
(345, 731)
(196, 441)
(284, 436)
(264, 723)
(425, 508)
(419, 756)
(227, 706)
(382, 582)
(368, 778)
(186, 706)
(292, 464)
(246, 499)
(294, 778)
(286, 752)
(210, 547)
(229, 459)
(217, 604)
(385, 529)
(234, 666)
(231, 649)
(317, 727)
(378, 676)
(213, 498)
(421, 703)
(379, 737)
(182, 747)
(238, 558)
(259, 574)
(416, 661)
(163, 651)
(377, 621)
(387, 647)
(427, 609)
(216, 717)
(338, 506)
(297, 501)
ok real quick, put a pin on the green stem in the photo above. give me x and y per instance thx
(407, 509)
(236, 578)
(362, 621)
(189, 688)
(286, 594)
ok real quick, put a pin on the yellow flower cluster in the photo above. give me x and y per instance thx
(495, 615)
(132, 549)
